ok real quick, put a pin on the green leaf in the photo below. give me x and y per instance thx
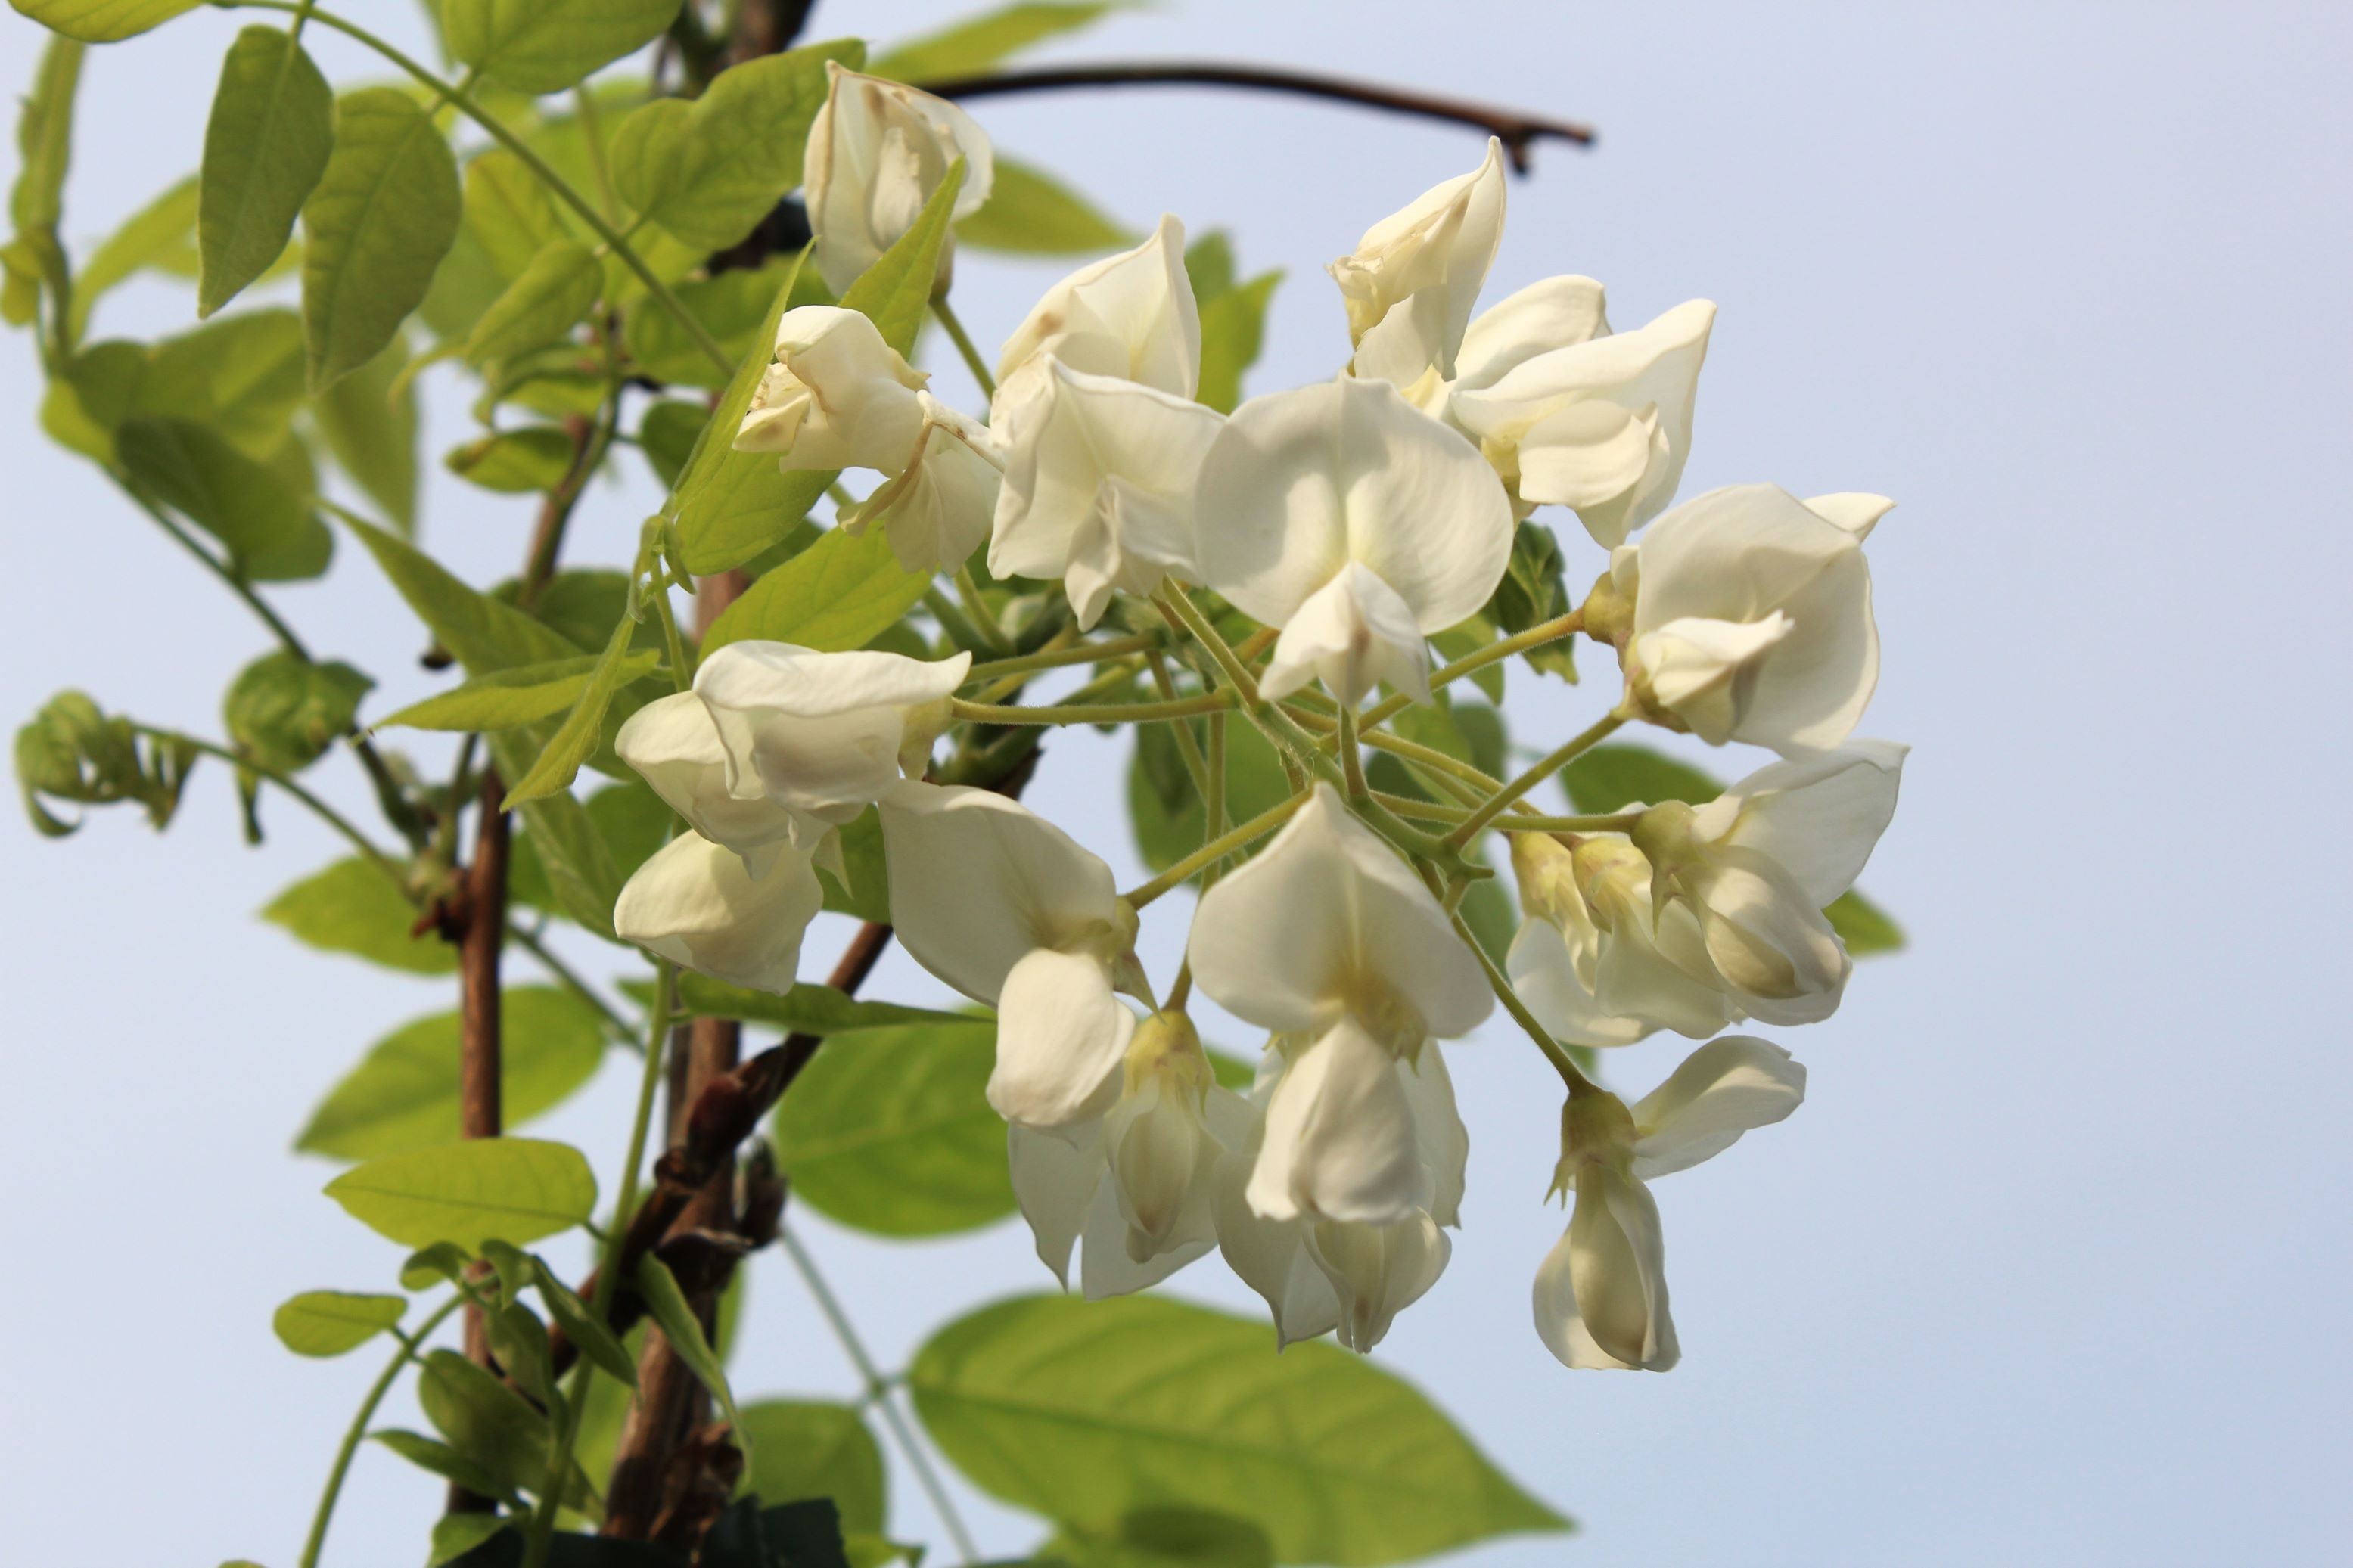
(808, 1008)
(1611, 778)
(484, 1420)
(480, 632)
(868, 894)
(353, 906)
(441, 1459)
(507, 211)
(240, 374)
(732, 505)
(675, 1317)
(509, 697)
(369, 418)
(195, 471)
(838, 595)
(891, 1131)
(160, 236)
(975, 44)
(1863, 926)
(329, 1323)
(1233, 328)
(812, 1448)
(575, 739)
(518, 1342)
(377, 225)
(1167, 815)
(1531, 593)
(515, 1189)
(404, 1093)
(629, 819)
(567, 844)
(1166, 1538)
(668, 431)
(284, 711)
(524, 461)
(541, 306)
(709, 169)
(547, 45)
(102, 21)
(583, 1327)
(1031, 212)
(1085, 1411)
(271, 132)
(732, 307)
(45, 142)
(896, 292)
(455, 1534)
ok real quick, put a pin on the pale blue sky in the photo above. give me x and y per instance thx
(2051, 1266)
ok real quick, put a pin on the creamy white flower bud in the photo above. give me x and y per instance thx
(837, 396)
(1752, 618)
(877, 151)
(1344, 508)
(938, 510)
(735, 917)
(1131, 316)
(1098, 491)
(1411, 282)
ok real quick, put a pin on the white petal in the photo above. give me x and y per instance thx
(1438, 1130)
(1723, 1089)
(939, 508)
(1299, 482)
(1160, 1153)
(977, 881)
(1340, 1137)
(1769, 942)
(837, 396)
(1060, 1034)
(1377, 1271)
(876, 151)
(1544, 975)
(1352, 633)
(1857, 511)
(1588, 454)
(674, 745)
(736, 918)
(1819, 816)
(1055, 1180)
(1414, 278)
(819, 731)
(1270, 1255)
(1131, 316)
(1617, 1269)
(1106, 1270)
(1551, 314)
(1706, 672)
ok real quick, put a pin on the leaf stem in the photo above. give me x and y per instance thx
(1563, 1064)
(1536, 774)
(1552, 630)
(409, 1346)
(964, 346)
(1216, 849)
(1091, 712)
(1054, 658)
(991, 629)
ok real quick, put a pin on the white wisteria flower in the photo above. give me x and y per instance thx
(1413, 278)
(937, 511)
(1357, 524)
(1601, 425)
(1130, 316)
(877, 151)
(1010, 909)
(1348, 1278)
(1751, 616)
(1099, 487)
(737, 917)
(1600, 1297)
(837, 396)
(1327, 933)
(1131, 1190)
(673, 743)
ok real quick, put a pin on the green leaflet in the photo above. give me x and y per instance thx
(1087, 1411)
(541, 306)
(455, 1534)
(1167, 816)
(891, 1131)
(507, 211)
(1031, 212)
(353, 906)
(45, 142)
(525, 461)
(569, 849)
(242, 375)
(678, 1322)
(330, 1322)
(629, 821)
(1233, 328)
(973, 46)
(369, 420)
(732, 307)
(1863, 926)
(732, 505)
(709, 169)
(840, 594)
(481, 632)
(263, 524)
(378, 223)
(1166, 1538)
(271, 132)
(509, 1189)
(441, 1459)
(159, 236)
(808, 1008)
(284, 711)
(895, 293)
(575, 740)
(102, 21)
(547, 45)
(813, 1448)
(404, 1093)
(487, 1422)
(506, 698)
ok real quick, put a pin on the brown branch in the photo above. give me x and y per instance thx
(1517, 131)
(480, 932)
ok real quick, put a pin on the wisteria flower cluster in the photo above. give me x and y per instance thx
(1351, 521)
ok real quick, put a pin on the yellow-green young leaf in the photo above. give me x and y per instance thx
(272, 131)
(547, 45)
(353, 906)
(583, 1327)
(480, 632)
(511, 697)
(891, 1131)
(240, 374)
(1233, 328)
(440, 1262)
(542, 306)
(629, 821)
(195, 472)
(441, 1459)
(102, 21)
(896, 291)
(1085, 1411)
(866, 894)
(836, 596)
(732, 505)
(489, 1423)
(808, 1008)
(733, 308)
(812, 1449)
(709, 169)
(369, 419)
(375, 226)
(513, 1189)
(329, 1323)
(514, 462)
(1863, 926)
(404, 1093)
(1166, 1538)
(973, 46)
(508, 211)
(667, 433)
(455, 1534)
(159, 236)
(44, 143)
(675, 1317)
(566, 845)
(1029, 212)
(575, 741)
(284, 711)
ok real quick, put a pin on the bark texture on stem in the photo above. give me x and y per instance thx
(480, 922)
